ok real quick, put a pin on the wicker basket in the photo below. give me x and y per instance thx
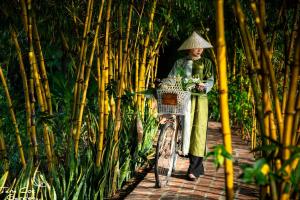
(171, 98)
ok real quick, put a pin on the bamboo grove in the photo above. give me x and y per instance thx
(93, 114)
(76, 120)
(277, 114)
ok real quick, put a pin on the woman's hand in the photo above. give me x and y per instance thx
(200, 87)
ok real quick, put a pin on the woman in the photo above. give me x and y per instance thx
(196, 117)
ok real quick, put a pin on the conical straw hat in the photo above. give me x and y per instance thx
(193, 42)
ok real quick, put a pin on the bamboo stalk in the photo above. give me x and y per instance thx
(144, 57)
(267, 55)
(123, 66)
(105, 63)
(38, 86)
(32, 108)
(32, 135)
(296, 121)
(42, 66)
(252, 70)
(126, 58)
(289, 56)
(289, 119)
(80, 69)
(136, 85)
(3, 152)
(85, 85)
(45, 89)
(136, 50)
(13, 118)
(137, 37)
(110, 60)
(101, 99)
(221, 60)
(120, 41)
(234, 63)
(24, 15)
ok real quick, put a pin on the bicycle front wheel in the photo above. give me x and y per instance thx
(164, 156)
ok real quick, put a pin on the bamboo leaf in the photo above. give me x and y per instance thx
(2, 181)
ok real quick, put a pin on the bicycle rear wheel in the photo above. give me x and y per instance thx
(164, 156)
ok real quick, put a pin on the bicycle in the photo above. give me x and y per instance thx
(171, 104)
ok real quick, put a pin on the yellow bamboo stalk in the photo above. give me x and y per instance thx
(13, 118)
(221, 60)
(105, 63)
(252, 61)
(32, 135)
(153, 54)
(120, 41)
(137, 37)
(290, 57)
(234, 63)
(38, 86)
(296, 122)
(42, 66)
(136, 53)
(110, 59)
(33, 63)
(32, 105)
(289, 119)
(267, 106)
(116, 64)
(253, 134)
(45, 89)
(126, 57)
(269, 64)
(24, 15)
(150, 66)
(156, 68)
(101, 99)
(136, 85)
(142, 72)
(85, 86)
(123, 66)
(81, 66)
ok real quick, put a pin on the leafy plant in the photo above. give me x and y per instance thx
(219, 155)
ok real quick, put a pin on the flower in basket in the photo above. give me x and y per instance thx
(189, 84)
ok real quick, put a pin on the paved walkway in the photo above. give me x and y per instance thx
(210, 186)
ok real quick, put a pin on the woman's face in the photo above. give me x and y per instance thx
(195, 53)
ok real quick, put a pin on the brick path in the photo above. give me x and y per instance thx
(210, 186)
